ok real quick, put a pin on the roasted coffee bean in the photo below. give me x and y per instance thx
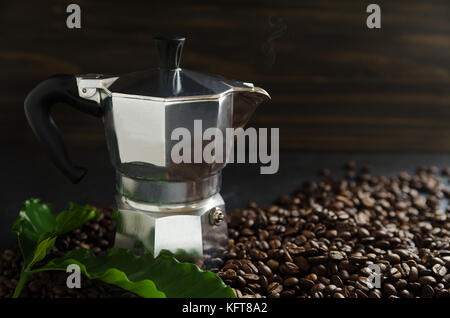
(306, 283)
(240, 281)
(302, 263)
(254, 287)
(294, 251)
(338, 295)
(291, 281)
(264, 270)
(401, 284)
(247, 269)
(413, 274)
(394, 258)
(251, 277)
(229, 274)
(288, 293)
(273, 264)
(312, 277)
(35, 286)
(439, 269)
(427, 280)
(337, 280)
(275, 278)
(375, 293)
(275, 288)
(275, 244)
(389, 289)
(318, 259)
(263, 281)
(331, 288)
(405, 294)
(318, 288)
(361, 294)
(427, 291)
(336, 255)
(289, 268)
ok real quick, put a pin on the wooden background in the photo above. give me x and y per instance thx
(335, 84)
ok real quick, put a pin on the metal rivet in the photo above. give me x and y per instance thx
(216, 216)
(84, 90)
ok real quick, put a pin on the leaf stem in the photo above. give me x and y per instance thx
(24, 276)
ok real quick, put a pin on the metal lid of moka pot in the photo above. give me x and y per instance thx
(170, 82)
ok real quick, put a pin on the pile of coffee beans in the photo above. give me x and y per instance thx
(362, 236)
(97, 235)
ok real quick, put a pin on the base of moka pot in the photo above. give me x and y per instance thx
(195, 231)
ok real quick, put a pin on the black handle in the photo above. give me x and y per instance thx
(38, 106)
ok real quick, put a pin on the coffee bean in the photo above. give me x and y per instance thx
(427, 280)
(439, 269)
(413, 274)
(337, 280)
(240, 281)
(291, 281)
(401, 284)
(389, 289)
(331, 234)
(35, 286)
(254, 287)
(229, 274)
(8, 255)
(302, 263)
(59, 290)
(427, 291)
(274, 287)
(275, 244)
(263, 281)
(361, 294)
(405, 294)
(251, 277)
(274, 294)
(247, 232)
(336, 255)
(395, 273)
(306, 283)
(394, 258)
(273, 264)
(289, 268)
(318, 288)
(265, 270)
(375, 293)
(318, 259)
(246, 268)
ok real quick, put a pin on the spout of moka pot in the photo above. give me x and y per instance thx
(245, 102)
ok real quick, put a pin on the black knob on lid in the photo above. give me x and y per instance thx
(169, 51)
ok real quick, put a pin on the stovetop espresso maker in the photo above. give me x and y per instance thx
(160, 204)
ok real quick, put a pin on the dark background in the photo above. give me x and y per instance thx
(335, 84)
(339, 90)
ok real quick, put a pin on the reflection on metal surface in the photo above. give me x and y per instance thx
(170, 227)
(169, 192)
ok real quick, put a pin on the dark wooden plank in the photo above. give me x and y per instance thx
(334, 83)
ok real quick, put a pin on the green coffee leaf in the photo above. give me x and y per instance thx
(37, 229)
(144, 275)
